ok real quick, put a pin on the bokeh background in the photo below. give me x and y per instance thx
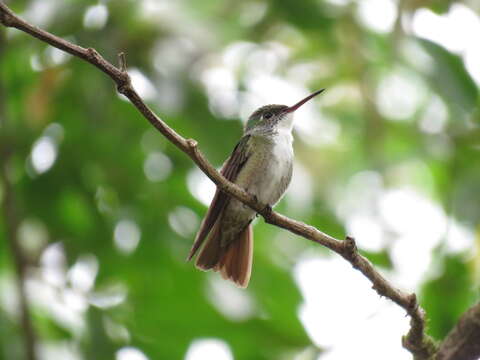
(104, 209)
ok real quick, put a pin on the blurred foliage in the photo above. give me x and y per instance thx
(147, 296)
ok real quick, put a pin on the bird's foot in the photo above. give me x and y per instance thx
(267, 210)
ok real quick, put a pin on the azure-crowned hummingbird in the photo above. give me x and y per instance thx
(262, 164)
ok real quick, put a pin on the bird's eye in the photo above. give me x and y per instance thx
(267, 115)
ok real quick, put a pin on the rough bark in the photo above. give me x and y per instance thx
(463, 341)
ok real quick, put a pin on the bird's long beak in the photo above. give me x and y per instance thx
(301, 102)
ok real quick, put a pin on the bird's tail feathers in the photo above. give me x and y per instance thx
(234, 261)
(212, 251)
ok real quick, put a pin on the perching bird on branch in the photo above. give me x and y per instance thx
(261, 163)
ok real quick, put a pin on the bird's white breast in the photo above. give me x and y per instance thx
(275, 175)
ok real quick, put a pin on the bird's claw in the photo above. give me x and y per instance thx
(268, 209)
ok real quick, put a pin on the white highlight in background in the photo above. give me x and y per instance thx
(377, 15)
(53, 264)
(130, 353)
(95, 17)
(330, 283)
(211, 349)
(457, 31)
(44, 154)
(83, 273)
(108, 297)
(183, 221)
(368, 230)
(126, 236)
(435, 117)
(142, 85)
(399, 94)
(200, 186)
(234, 303)
(157, 166)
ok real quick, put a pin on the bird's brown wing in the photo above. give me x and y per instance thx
(230, 170)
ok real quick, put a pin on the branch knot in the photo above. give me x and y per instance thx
(412, 302)
(192, 144)
(124, 83)
(350, 251)
(93, 55)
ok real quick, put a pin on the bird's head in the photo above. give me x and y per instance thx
(270, 117)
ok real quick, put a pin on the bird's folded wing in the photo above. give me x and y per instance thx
(230, 170)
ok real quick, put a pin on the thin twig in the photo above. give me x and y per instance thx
(416, 341)
(122, 62)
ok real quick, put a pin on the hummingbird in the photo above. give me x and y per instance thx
(262, 164)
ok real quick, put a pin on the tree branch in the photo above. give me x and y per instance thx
(463, 341)
(416, 341)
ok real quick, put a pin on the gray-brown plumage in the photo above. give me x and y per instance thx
(261, 163)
